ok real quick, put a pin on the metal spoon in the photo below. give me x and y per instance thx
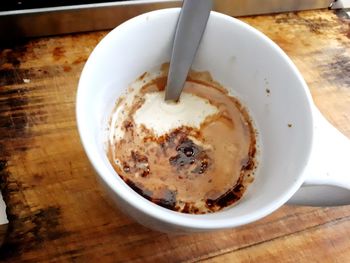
(189, 30)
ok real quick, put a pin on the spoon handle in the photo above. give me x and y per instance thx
(189, 30)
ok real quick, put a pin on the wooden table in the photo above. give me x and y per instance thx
(56, 209)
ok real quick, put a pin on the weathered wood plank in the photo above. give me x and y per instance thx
(57, 211)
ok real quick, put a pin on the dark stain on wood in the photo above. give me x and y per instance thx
(37, 178)
(79, 60)
(15, 76)
(21, 106)
(18, 110)
(71, 254)
(347, 32)
(13, 118)
(11, 58)
(344, 18)
(67, 68)
(315, 25)
(27, 228)
(58, 53)
(10, 64)
(336, 68)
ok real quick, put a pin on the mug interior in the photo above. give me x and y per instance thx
(239, 57)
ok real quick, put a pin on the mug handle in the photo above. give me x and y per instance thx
(327, 180)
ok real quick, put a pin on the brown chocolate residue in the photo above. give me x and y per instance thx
(248, 163)
(228, 198)
(142, 76)
(190, 154)
(157, 84)
(168, 200)
(128, 125)
(137, 164)
(188, 170)
(139, 189)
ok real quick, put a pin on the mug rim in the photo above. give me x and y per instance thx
(190, 221)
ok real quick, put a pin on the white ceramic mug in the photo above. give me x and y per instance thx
(304, 160)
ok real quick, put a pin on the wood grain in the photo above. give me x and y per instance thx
(58, 212)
